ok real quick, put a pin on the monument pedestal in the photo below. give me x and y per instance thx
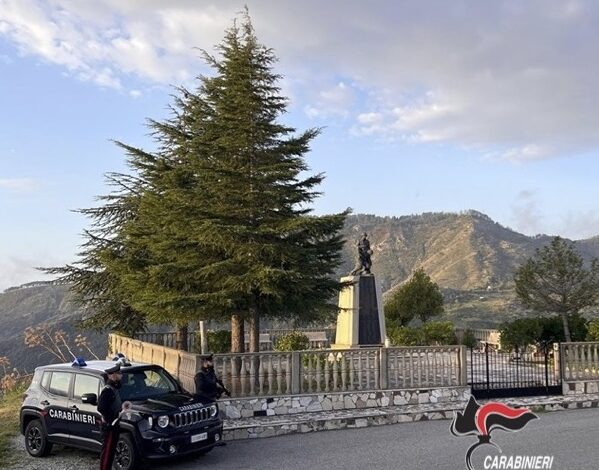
(361, 322)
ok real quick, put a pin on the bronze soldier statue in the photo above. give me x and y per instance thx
(364, 262)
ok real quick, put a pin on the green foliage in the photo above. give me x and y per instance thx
(438, 333)
(541, 331)
(555, 280)
(217, 221)
(219, 342)
(419, 298)
(10, 404)
(469, 340)
(294, 341)
(405, 336)
(593, 331)
(430, 334)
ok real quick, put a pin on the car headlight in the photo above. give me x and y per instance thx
(213, 411)
(162, 421)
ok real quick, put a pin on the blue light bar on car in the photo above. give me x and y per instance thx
(79, 362)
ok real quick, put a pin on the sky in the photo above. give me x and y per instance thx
(426, 106)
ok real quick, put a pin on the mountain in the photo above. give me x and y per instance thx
(35, 304)
(470, 256)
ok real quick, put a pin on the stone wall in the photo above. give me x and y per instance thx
(237, 408)
(580, 387)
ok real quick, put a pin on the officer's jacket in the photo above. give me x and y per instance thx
(109, 403)
(206, 383)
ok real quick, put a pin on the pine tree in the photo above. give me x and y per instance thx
(93, 286)
(555, 280)
(224, 227)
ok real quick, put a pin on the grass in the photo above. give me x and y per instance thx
(10, 405)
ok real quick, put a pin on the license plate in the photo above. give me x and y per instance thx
(199, 437)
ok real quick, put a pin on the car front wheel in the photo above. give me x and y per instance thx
(125, 457)
(36, 441)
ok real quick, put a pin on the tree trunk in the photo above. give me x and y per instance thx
(254, 326)
(237, 334)
(565, 321)
(181, 338)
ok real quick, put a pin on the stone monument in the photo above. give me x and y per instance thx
(360, 322)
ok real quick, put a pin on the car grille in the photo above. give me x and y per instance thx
(188, 418)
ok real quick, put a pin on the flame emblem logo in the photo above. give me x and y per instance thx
(480, 421)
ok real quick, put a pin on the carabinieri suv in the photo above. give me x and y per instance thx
(163, 421)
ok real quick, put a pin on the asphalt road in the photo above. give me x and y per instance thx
(571, 437)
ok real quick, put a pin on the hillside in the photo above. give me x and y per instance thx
(33, 306)
(459, 251)
(470, 256)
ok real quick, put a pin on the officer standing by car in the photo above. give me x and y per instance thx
(208, 385)
(109, 406)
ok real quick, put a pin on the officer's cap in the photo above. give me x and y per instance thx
(206, 357)
(113, 369)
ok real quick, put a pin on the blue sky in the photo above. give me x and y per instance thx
(427, 106)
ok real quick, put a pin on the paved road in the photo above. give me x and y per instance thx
(570, 436)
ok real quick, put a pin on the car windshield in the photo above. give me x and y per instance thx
(140, 384)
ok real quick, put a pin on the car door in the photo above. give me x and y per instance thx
(56, 403)
(85, 425)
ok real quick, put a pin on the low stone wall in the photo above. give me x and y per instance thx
(580, 387)
(237, 408)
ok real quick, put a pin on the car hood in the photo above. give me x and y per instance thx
(169, 403)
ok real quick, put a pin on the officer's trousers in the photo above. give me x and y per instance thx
(111, 436)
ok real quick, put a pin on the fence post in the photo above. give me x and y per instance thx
(296, 372)
(463, 366)
(384, 370)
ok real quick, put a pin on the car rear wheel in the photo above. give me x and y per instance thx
(126, 456)
(36, 441)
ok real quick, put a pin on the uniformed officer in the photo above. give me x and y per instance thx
(208, 385)
(109, 406)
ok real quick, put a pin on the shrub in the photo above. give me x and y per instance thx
(430, 334)
(406, 336)
(438, 332)
(219, 341)
(294, 341)
(469, 340)
(593, 331)
(540, 331)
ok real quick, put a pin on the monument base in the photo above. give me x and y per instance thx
(361, 322)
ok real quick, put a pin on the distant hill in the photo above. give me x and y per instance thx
(459, 251)
(470, 256)
(32, 305)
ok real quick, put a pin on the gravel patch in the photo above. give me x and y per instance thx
(61, 458)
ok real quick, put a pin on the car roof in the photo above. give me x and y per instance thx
(97, 367)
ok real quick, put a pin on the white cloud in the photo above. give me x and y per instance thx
(18, 270)
(334, 101)
(19, 184)
(515, 80)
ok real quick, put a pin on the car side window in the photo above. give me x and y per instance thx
(85, 384)
(46, 380)
(59, 383)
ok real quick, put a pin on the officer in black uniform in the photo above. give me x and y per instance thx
(208, 385)
(109, 406)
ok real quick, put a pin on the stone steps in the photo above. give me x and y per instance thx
(268, 426)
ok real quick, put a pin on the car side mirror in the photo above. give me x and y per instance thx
(89, 398)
